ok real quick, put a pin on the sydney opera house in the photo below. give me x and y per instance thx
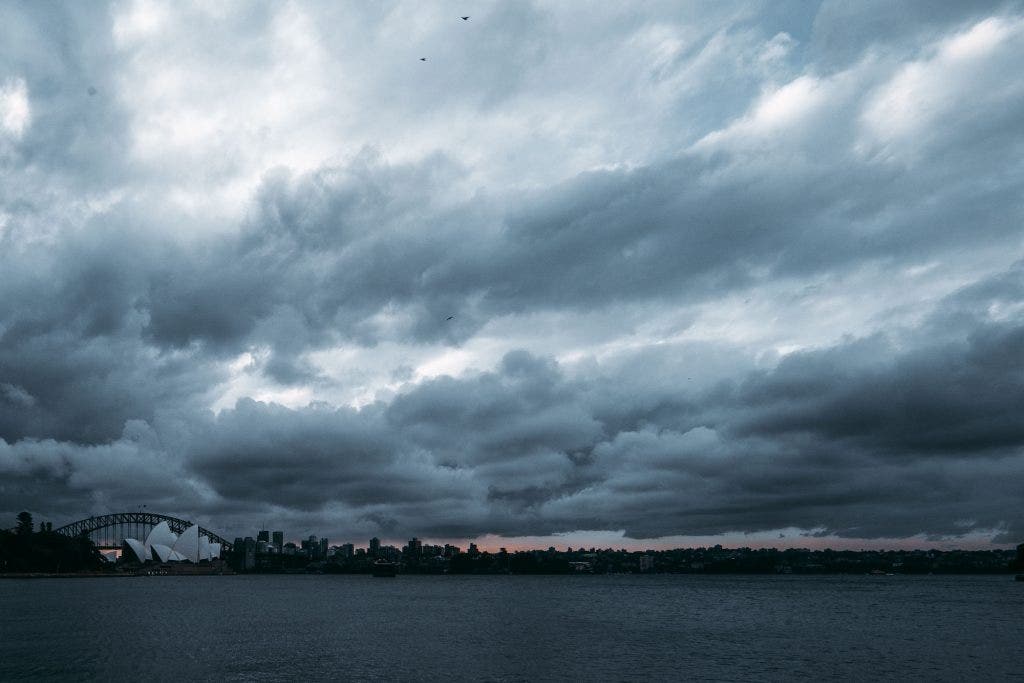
(163, 545)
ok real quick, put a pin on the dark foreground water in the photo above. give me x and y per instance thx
(668, 628)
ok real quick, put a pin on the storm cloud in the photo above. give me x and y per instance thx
(659, 270)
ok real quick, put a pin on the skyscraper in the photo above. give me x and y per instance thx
(312, 547)
(374, 547)
(414, 551)
(278, 540)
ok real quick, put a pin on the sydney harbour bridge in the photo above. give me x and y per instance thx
(109, 531)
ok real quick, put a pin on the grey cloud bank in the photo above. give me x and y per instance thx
(745, 273)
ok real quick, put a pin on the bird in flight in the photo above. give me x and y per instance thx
(465, 18)
(423, 59)
(451, 317)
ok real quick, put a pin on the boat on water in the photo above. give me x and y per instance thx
(383, 568)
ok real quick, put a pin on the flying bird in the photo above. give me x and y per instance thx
(465, 18)
(423, 59)
(451, 317)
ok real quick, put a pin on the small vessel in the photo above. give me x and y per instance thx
(383, 568)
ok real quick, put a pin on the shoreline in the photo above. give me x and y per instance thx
(111, 575)
(104, 575)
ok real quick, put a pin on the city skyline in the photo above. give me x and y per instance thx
(639, 275)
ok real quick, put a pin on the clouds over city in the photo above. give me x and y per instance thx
(655, 270)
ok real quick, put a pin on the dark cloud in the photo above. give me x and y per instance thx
(953, 398)
(331, 252)
(769, 159)
(858, 440)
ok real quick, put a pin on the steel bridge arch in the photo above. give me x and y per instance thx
(91, 524)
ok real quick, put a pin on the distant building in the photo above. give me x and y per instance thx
(374, 547)
(278, 540)
(414, 551)
(263, 536)
(249, 555)
(346, 550)
(323, 548)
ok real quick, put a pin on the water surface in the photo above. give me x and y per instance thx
(511, 628)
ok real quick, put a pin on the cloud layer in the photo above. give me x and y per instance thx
(658, 270)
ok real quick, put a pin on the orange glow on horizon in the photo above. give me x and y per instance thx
(617, 541)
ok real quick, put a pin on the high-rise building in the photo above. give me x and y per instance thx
(249, 561)
(278, 541)
(414, 551)
(347, 550)
(374, 547)
(238, 554)
(263, 536)
(323, 548)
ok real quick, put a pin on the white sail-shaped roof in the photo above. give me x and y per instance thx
(161, 534)
(164, 546)
(188, 543)
(204, 548)
(141, 554)
(162, 551)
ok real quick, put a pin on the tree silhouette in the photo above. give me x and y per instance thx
(24, 524)
(45, 551)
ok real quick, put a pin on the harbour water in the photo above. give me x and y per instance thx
(512, 628)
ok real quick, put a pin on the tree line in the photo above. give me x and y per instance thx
(28, 549)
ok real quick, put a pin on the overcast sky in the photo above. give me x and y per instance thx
(630, 274)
